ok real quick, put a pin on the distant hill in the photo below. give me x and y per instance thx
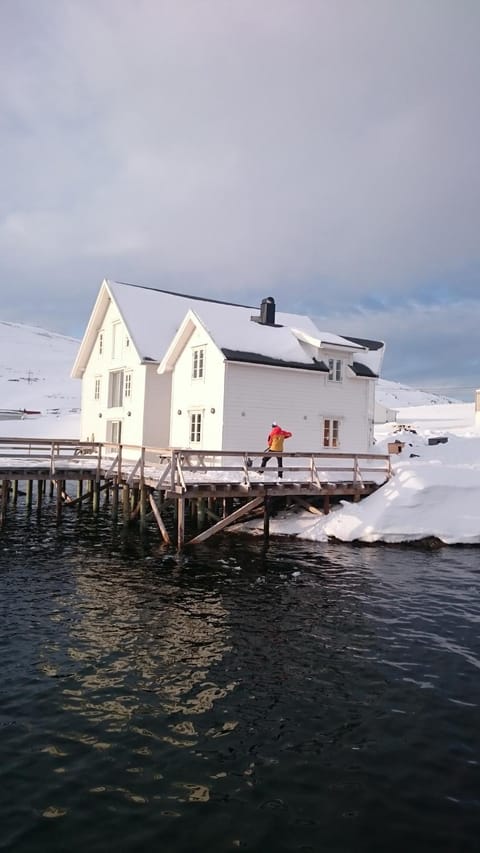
(35, 370)
(394, 395)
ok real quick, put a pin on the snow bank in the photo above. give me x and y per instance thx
(434, 493)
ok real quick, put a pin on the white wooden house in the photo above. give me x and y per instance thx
(164, 369)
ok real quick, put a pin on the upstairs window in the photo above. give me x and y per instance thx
(116, 340)
(97, 387)
(335, 369)
(115, 389)
(198, 363)
(127, 389)
(195, 428)
(331, 432)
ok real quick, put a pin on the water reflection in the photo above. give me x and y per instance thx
(271, 699)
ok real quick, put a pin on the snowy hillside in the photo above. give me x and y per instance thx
(35, 375)
(394, 395)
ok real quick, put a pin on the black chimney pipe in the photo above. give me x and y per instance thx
(267, 311)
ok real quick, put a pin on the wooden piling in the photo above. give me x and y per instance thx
(4, 501)
(39, 495)
(115, 499)
(180, 523)
(126, 501)
(59, 501)
(266, 518)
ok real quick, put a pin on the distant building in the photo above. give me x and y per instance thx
(383, 414)
(163, 369)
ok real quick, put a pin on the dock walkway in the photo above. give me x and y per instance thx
(142, 479)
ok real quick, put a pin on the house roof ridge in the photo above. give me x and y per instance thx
(184, 295)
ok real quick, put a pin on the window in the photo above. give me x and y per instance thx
(100, 343)
(195, 428)
(331, 432)
(127, 390)
(115, 388)
(198, 363)
(335, 369)
(116, 340)
(114, 431)
(96, 392)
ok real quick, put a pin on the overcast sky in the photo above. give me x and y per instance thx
(324, 152)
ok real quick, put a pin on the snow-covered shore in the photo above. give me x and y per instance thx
(434, 493)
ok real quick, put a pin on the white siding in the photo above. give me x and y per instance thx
(297, 400)
(156, 427)
(198, 395)
(97, 413)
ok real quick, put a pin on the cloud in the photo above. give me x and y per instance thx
(324, 152)
(433, 347)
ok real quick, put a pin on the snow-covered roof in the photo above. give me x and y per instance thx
(153, 318)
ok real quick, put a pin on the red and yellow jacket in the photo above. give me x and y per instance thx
(276, 438)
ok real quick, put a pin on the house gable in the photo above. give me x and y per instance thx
(95, 327)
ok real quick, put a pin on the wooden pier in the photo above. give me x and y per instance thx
(215, 488)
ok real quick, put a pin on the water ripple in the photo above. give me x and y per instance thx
(261, 698)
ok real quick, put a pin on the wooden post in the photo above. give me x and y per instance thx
(39, 495)
(15, 491)
(59, 500)
(28, 497)
(3, 511)
(115, 498)
(180, 523)
(266, 518)
(79, 488)
(126, 501)
(159, 520)
(326, 504)
(52, 485)
(143, 507)
(96, 496)
(200, 513)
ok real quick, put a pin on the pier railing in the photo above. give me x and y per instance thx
(179, 469)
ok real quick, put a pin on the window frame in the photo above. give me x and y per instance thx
(335, 370)
(115, 396)
(195, 428)
(127, 384)
(331, 433)
(97, 388)
(113, 426)
(117, 340)
(198, 363)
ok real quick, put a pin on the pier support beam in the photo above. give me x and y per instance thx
(180, 523)
(266, 518)
(159, 520)
(4, 500)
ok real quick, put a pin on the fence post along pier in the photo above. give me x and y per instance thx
(215, 487)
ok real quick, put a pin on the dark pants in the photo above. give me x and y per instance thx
(279, 462)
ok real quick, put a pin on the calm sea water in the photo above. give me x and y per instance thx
(298, 697)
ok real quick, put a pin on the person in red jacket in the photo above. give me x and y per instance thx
(275, 440)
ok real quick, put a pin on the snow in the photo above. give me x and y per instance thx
(154, 317)
(35, 375)
(435, 490)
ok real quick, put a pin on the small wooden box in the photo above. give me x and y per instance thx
(395, 446)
